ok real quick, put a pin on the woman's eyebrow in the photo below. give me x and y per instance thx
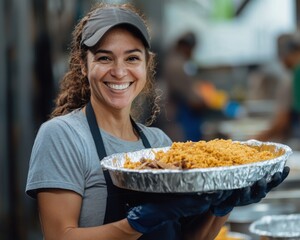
(103, 51)
(110, 52)
(134, 50)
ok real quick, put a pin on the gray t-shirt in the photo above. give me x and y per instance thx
(64, 156)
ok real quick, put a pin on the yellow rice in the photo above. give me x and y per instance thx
(202, 154)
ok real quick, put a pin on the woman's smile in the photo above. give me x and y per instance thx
(118, 86)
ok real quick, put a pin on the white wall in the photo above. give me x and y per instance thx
(250, 38)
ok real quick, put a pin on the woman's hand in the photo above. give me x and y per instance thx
(247, 195)
(147, 217)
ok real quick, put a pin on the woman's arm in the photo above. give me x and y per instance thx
(59, 213)
(205, 227)
(211, 227)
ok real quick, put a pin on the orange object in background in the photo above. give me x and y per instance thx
(219, 100)
(214, 98)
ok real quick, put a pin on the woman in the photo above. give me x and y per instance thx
(110, 66)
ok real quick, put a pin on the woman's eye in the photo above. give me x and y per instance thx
(133, 58)
(103, 59)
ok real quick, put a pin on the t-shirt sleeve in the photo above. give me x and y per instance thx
(56, 159)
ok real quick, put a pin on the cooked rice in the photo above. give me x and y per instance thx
(202, 154)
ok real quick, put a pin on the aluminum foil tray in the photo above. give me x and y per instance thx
(277, 227)
(194, 180)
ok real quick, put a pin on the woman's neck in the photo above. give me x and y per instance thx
(117, 122)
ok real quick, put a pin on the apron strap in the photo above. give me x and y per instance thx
(91, 118)
(92, 121)
(141, 134)
(117, 198)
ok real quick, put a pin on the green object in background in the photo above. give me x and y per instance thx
(296, 89)
(223, 10)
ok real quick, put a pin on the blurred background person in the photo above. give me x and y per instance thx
(191, 99)
(286, 122)
(184, 106)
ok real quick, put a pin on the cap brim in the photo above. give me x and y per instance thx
(92, 41)
(96, 37)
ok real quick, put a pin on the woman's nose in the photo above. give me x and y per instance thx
(118, 70)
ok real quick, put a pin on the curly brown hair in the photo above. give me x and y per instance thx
(74, 88)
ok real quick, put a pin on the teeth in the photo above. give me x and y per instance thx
(118, 86)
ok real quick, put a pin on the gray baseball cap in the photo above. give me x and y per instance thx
(104, 19)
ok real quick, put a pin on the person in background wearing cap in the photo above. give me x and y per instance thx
(286, 123)
(110, 65)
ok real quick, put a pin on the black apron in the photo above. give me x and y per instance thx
(120, 200)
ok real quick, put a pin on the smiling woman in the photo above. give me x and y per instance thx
(75, 88)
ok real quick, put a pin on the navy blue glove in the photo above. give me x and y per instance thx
(247, 195)
(145, 218)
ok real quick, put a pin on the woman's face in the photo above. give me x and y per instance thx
(116, 69)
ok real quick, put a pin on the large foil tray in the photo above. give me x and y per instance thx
(194, 180)
(277, 227)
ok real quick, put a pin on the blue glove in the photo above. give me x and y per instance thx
(147, 217)
(247, 195)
